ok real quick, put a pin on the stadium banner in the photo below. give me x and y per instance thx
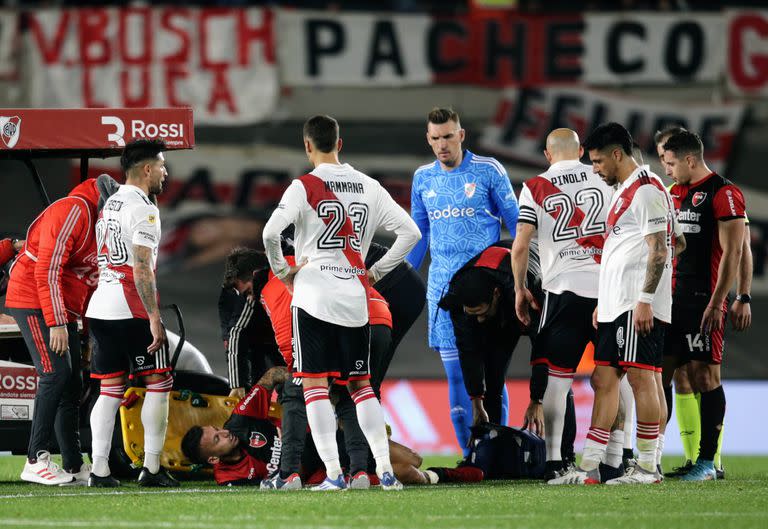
(524, 117)
(653, 48)
(747, 64)
(316, 48)
(418, 413)
(9, 33)
(219, 61)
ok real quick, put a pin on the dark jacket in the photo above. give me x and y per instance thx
(475, 339)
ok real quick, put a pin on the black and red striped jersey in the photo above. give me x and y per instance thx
(260, 442)
(699, 208)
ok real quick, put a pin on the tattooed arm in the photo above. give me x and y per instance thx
(657, 259)
(274, 376)
(144, 279)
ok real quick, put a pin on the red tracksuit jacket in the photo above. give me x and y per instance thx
(57, 270)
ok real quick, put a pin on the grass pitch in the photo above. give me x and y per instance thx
(740, 501)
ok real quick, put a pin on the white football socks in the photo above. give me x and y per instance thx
(103, 424)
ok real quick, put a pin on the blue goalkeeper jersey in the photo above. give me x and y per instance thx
(459, 214)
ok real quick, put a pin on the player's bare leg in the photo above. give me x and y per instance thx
(322, 423)
(406, 463)
(102, 425)
(371, 419)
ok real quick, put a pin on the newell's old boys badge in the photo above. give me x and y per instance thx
(11, 128)
(257, 440)
(698, 198)
(469, 189)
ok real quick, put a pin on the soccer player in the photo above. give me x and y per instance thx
(634, 302)
(336, 210)
(249, 447)
(49, 286)
(458, 202)
(124, 316)
(565, 209)
(686, 401)
(712, 211)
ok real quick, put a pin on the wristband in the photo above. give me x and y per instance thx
(645, 297)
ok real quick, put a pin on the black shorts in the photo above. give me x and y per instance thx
(565, 329)
(684, 339)
(618, 344)
(121, 348)
(323, 349)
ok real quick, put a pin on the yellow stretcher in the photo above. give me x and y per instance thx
(186, 410)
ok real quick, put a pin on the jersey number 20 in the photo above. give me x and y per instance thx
(110, 245)
(335, 217)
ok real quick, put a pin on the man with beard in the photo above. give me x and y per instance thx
(124, 315)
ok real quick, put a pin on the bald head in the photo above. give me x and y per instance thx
(563, 144)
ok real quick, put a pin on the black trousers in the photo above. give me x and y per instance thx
(294, 430)
(59, 387)
(406, 293)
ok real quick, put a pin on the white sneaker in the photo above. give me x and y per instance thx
(45, 471)
(81, 476)
(390, 482)
(636, 475)
(577, 476)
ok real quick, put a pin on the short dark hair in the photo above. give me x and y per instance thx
(666, 132)
(474, 287)
(439, 115)
(685, 143)
(138, 151)
(323, 132)
(241, 263)
(190, 445)
(609, 135)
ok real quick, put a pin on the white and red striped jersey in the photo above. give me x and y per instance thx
(640, 206)
(568, 205)
(128, 218)
(336, 211)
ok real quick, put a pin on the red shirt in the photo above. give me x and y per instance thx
(276, 301)
(57, 270)
(260, 443)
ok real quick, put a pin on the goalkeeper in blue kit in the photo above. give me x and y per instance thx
(458, 202)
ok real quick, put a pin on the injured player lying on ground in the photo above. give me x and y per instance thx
(246, 451)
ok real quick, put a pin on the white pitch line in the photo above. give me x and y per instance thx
(222, 490)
